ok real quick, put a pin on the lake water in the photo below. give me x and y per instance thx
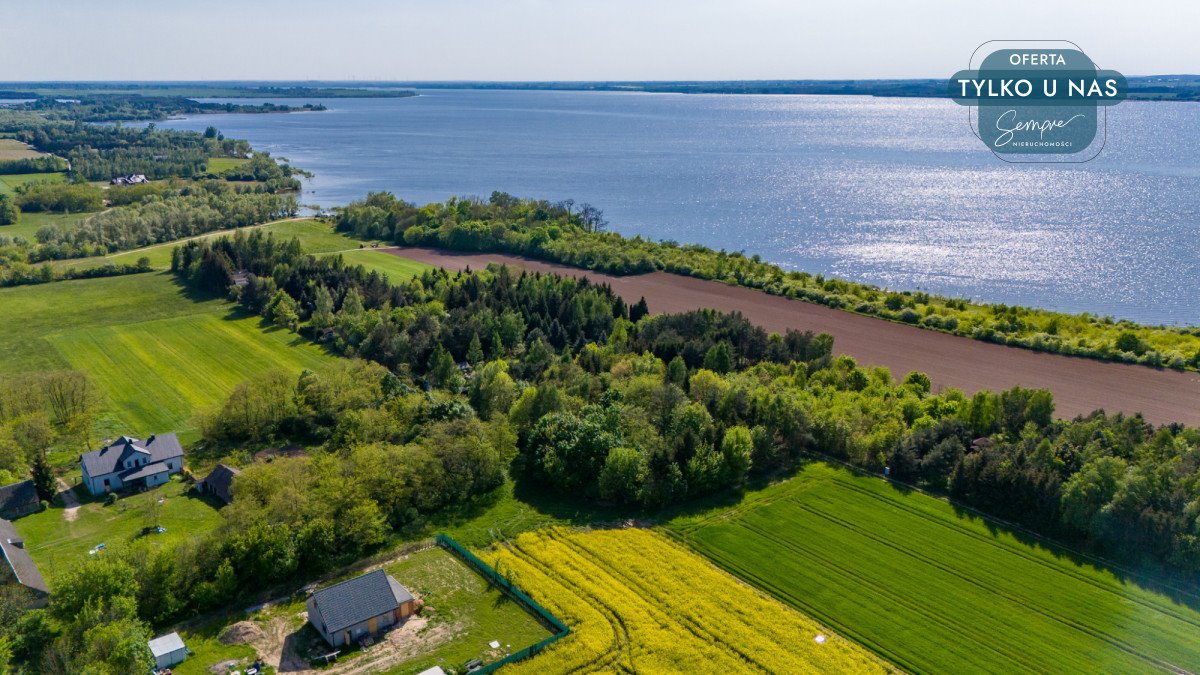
(895, 192)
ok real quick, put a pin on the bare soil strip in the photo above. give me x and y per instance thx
(1079, 385)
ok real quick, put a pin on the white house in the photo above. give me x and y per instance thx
(129, 462)
(168, 650)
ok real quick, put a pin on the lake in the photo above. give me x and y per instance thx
(895, 192)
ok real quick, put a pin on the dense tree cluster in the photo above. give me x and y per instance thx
(158, 220)
(37, 411)
(44, 164)
(102, 152)
(563, 233)
(59, 197)
(666, 408)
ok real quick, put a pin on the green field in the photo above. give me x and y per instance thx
(223, 164)
(57, 545)
(933, 591)
(29, 223)
(315, 237)
(159, 355)
(398, 269)
(9, 183)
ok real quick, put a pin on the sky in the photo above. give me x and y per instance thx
(569, 39)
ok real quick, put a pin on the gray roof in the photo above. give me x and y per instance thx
(219, 480)
(23, 567)
(161, 646)
(356, 600)
(108, 460)
(144, 471)
(18, 495)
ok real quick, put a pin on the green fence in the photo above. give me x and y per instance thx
(560, 629)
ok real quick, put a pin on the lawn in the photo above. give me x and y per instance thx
(636, 601)
(10, 182)
(936, 591)
(315, 237)
(396, 268)
(223, 164)
(464, 613)
(58, 545)
(29, 223)
(159, 355)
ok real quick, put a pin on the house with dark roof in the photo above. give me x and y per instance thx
(219, 482)
(348, 611)
(18, 499)
(131, 463)
(24, 570)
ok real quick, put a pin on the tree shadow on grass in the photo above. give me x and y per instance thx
(1147, 576)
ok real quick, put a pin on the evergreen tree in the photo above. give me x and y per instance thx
(475, 350)
(43, 478)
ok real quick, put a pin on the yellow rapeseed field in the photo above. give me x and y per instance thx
(638, 602)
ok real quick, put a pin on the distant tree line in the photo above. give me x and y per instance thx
(44, 164)
(100, 107)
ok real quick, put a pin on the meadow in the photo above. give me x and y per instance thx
(58, 544)
(223, 164)
(315, 237)
(933, 590)
(638, 602)
(11, 148)
(10, 182)
(159, 355)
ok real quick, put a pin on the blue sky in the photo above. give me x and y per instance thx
(568, 39)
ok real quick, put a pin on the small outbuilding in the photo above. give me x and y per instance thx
(346, 612)
(18, 499)
(219, 483)
(20, 565)
(168, 650)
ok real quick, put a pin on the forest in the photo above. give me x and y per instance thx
(574, 235)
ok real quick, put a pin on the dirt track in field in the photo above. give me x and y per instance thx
(1079, 385)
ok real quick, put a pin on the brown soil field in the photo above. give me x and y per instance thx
(1079, 385)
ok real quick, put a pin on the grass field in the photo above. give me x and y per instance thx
(315, 237)
(57, 545)
(398, 269)
(11, 148)
(934, 591)
(29, 223)
(637, 602)
(159, 355)
(10, 182)
(223, 164)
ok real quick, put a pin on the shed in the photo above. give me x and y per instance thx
(24, 570)
(219, 481)
(168, 650)
(348, 611)
(18, 499)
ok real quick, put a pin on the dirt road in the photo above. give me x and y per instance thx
(1079, 385)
